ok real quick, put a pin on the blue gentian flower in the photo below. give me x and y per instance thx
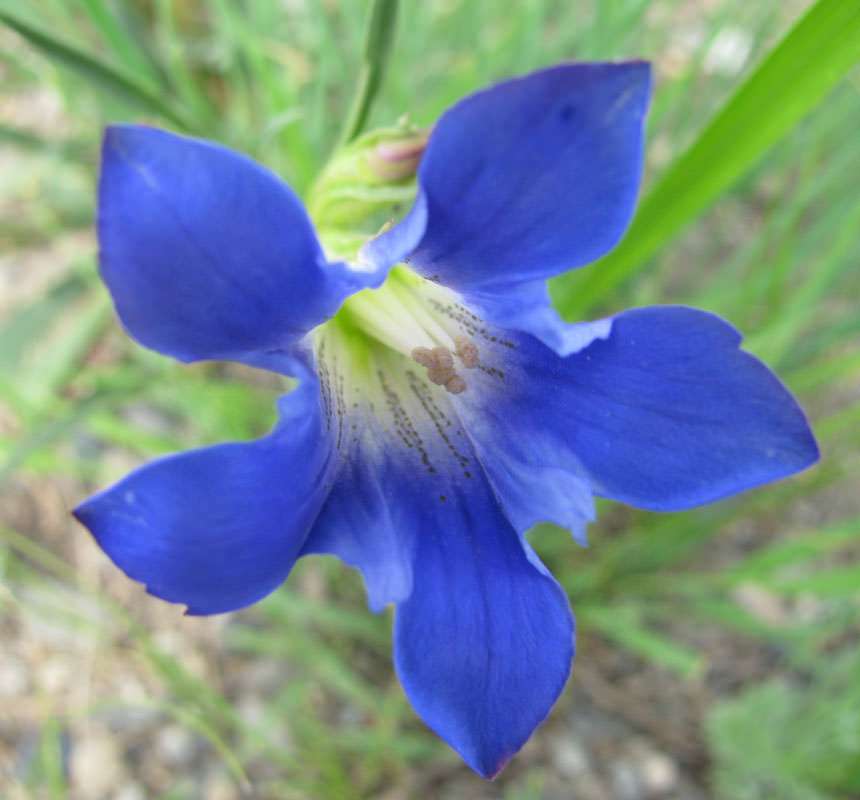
(442, 408)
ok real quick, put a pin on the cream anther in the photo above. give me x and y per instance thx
(467, 351)
(440, 368)
(443, 358)
(424, 356)
(456, 385)
(440, 375)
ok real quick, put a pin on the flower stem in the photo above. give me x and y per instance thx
(378, 37)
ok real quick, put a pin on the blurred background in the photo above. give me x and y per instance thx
(719, 650)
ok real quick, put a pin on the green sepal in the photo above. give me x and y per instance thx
(368, 183)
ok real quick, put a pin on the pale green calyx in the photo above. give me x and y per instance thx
(367, 183)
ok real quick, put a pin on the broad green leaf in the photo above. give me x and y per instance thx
(797, 74)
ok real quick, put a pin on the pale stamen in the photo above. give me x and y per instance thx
(387, 322)
(424, 318)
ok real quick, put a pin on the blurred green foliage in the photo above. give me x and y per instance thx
(792, 741)
(753, 215)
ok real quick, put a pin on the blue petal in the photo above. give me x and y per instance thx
(665, 413)
(394, 245)
(527, 307)
(484, 644)
(207, 254)
(533, 176)
(534, 479)
(362, 523)
(484, 635)
(534, 474)
(219, 528)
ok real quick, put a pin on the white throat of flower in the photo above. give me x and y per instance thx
(408, 315)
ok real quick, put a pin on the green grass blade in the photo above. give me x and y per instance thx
(377, 46)
(29, 142)
(104, 76)
(797, 74)
(117, 36)
(623, 625)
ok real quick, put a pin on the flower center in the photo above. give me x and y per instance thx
(401, 364)
(404, 315)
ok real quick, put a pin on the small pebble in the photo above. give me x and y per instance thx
(626, 782)
(659, 774)
(96, 766)
(14, 677)
(175, 745)
(130, 791)
(569, 758)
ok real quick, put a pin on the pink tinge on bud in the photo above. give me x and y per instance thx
(397, 160)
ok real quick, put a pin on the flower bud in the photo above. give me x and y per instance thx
(368, 182)
(399, 159)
